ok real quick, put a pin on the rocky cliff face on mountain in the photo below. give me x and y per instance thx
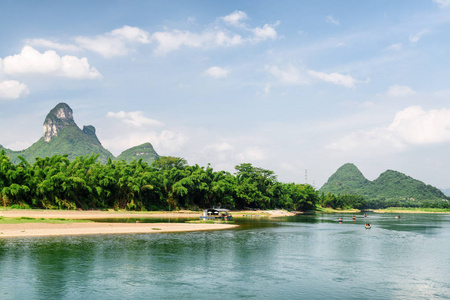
(57, 119)
(63, 136)
(390, 185)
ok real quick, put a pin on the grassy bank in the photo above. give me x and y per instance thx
(329, 210)
(412, 210)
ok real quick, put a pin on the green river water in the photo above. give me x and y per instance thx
(309, 257)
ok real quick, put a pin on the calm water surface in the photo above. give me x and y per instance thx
(311, 257)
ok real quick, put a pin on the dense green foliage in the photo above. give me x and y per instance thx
(390, 189)
(169, 183)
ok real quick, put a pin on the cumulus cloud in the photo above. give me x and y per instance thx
(411, 126)
(288, 75)
(31, 61)
(134, 118)
(265, 33)
(115, 43)
(331, 20)
(414, 38)
(122, 41)
(173, 40)
(335, 78)
(235, 18)
(400, 91)
(442, 3)
(11, 89)
(217, 72)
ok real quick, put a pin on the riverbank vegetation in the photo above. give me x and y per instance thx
(169, 183)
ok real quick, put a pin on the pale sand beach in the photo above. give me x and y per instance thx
(92, 215)
(47, 229)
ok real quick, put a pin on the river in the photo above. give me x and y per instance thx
(308, 257)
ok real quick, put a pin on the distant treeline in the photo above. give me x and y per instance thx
(169, 183)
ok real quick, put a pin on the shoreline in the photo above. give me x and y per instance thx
(96, 214)
(71, 229)
(35, 229)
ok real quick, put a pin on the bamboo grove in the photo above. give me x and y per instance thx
(169, 183)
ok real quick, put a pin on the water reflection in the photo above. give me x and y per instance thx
(310, 257)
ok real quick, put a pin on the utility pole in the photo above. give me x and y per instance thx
(306, 176)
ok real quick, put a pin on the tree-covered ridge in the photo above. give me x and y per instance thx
(144, 152)
(71, 141)
(62, 136)
(169, 183)
(390, 186)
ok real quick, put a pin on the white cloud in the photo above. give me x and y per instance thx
(411, 126)
(414, 125)
(11, 89)
(414, 38)
(267, 32)
(134, 118)
(442, 3)
(330, 19)
(43, 43)
(31, 61)
(173, 40)
(335, 78)
(218, 147)
(217, 72)
(395, 47)
(132, 34)
(116, 42)
(400, 91)
(252, 154)
(290, 75)
(166, 142)
(235, 18)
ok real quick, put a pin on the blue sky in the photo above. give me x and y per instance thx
(285, 85)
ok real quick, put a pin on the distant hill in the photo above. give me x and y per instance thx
(390, 185)
(144, 152)
(63, 136)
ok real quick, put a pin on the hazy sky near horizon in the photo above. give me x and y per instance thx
(285, 85)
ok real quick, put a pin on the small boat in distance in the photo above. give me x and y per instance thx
(368, 226)
(216, 214)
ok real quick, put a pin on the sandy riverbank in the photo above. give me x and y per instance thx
(47, 229)
(93, 215)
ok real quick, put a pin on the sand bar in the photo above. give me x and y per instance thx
(46, 229)
(93, 215)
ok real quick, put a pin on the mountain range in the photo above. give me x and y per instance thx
(63, 136)
(390, 185)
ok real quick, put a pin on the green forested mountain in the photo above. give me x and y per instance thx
(389, 186)
(62, 136)
(144, 152)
